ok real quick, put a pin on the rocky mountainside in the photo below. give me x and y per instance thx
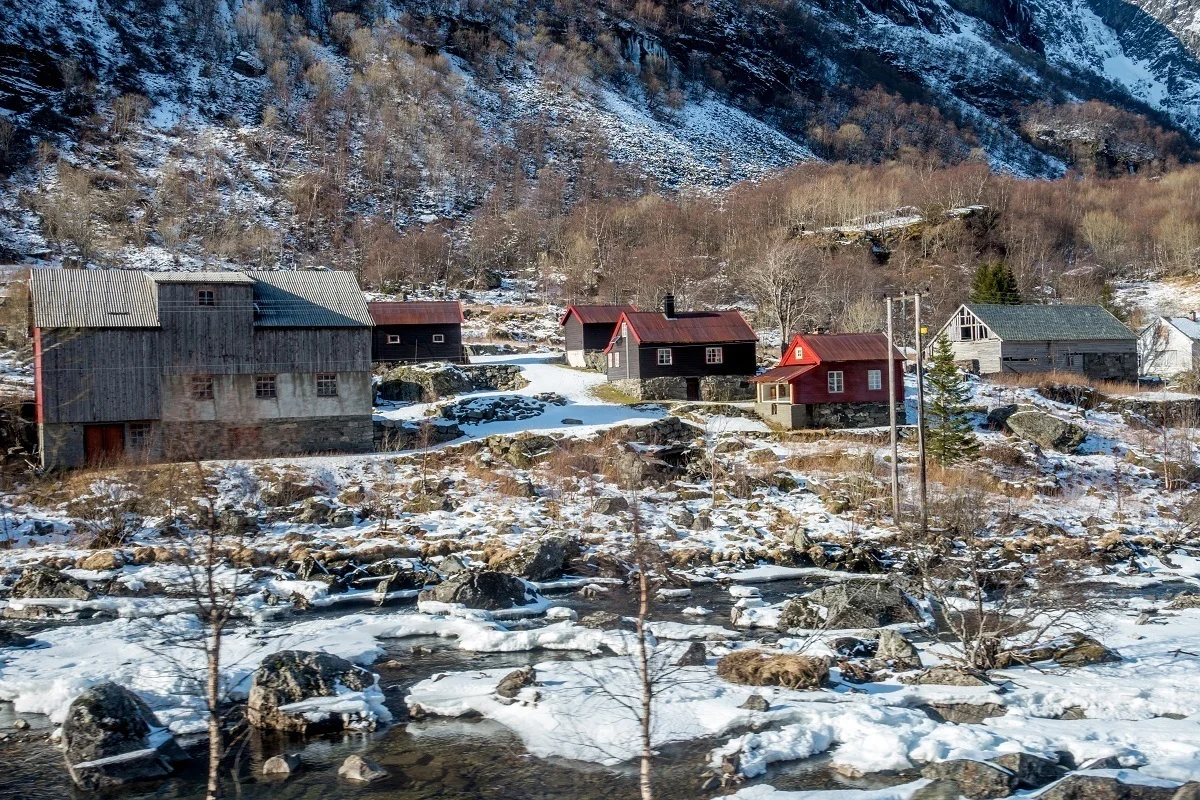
(460, 100)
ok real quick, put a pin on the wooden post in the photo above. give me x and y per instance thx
(921, 412)
(891, 384)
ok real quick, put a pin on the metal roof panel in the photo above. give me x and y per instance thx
(1050, 323)
(309, 299)
(427, 312)
(849, 346)
(103, 298)
(694, 327)
(594, 314)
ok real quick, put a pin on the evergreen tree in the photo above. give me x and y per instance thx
(995, 284)
(949, 436)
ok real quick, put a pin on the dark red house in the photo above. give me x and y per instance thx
(588, 330)
(664, 355)
(418, 331)
(832, 381)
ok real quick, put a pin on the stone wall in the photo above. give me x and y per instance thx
(713, 388)
(264, 438)
(595, 360)
(425, 383)
(1111, 366)
(853, 415)
(726, 389)
(394, 435)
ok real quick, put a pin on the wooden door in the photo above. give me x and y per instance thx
(103, 444)
(693, 388)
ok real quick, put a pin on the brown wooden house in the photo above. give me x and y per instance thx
(184, 365)
(832, 381)
(706, 355)
(418, 331)
(587, 330)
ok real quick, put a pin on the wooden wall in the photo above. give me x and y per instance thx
(200, 340)
(416, 343)
(100, 375)
(312, 350)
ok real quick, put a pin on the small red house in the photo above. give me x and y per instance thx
(832, 381)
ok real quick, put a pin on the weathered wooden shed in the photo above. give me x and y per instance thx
(176, 365)
(417, 331)
(587, 330)
(991, 339)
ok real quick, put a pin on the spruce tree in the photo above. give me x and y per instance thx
(949, 436)
(995, 284)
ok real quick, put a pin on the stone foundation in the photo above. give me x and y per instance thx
(713, 388)
(1111, 366)
(829, 415)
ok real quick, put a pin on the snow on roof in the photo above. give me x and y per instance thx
(1185, 325)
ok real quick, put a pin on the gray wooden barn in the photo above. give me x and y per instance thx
(993, 339)
(144, 365)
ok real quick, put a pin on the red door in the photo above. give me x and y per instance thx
(103, 444)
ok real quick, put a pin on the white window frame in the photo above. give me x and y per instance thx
(393, 338)
(439, 338)
(714, 355)
(665, 353)
(835, 381)
(874, 380)
(615, 356)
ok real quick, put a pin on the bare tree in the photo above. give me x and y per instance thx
(787, 282)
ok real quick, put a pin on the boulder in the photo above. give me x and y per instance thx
(997, 418)
(947, 676)
(291, 676)
(977, 780)
(360, 770)
(1073, 650)
(248, 64)
(600, 620)
(759, 668)
(103, 561)
(537, 561)
(610, 505)
(1097, 787)
(284, 764)
(695, 656)
(755, 702)
(483, 589)
(851, 604)
(1189, 791)
(111, 738)
(963, 713)
(13, 639)
(897, 651)
(1046, 431)
(1032, 772)
(38, 581)
(512, 683)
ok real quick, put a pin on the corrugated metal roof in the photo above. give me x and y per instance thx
(848, 346)
(783, 374)
(594, 315)
(701, 327)
(1187, 326)
(105, 298)
(200, 277)
(1050, 323)
(309, 299)
(426, 312)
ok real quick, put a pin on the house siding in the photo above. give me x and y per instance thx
(416, 344)
(688, 361)
(813, 386)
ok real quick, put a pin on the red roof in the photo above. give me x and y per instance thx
(424, 312)
(783, 374)
(594, 315)
(846, 346)
(697, 327)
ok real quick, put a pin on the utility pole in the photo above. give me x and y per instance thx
(921, 414)
(891, 384)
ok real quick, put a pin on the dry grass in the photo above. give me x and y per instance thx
(1039, 380)
(759, 668)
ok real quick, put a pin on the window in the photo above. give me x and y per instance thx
(206, 297)
(139, 435)
(439, 338)
(616, 358)
(202, 387)
(264, 387)
(624, 329)
(1075, 360)
(835, 382)
(326, 384)
(874, 379)
(664, 356)
(393, 338)
(714, 355)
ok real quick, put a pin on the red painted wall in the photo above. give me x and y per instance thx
(812, 386)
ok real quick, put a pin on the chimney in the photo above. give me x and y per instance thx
(669, 306)
(1192, 315)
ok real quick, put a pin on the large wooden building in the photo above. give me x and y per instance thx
(706, 355)
(832, 381)
(991, 339)
(417, 331)
(146, 366)
(587, 330)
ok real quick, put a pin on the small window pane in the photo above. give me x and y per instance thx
(874, 379)
(714, 355)
(438, 338)
(139, 435)
(393, 338)
(326, 385)
(206, 297)
(202, 387)
(664, 356)
(264, 387)
(835, 382)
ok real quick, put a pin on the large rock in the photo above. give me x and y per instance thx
(537, 561)
(1046, 431)
(1073, 650)
(38, 581)
(977, 780)
(291, 676)
(112, 738)
(897, 651)
(485, 589)
(851, 604)
(1097, 787)
(360, 770)
(1032, 772)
